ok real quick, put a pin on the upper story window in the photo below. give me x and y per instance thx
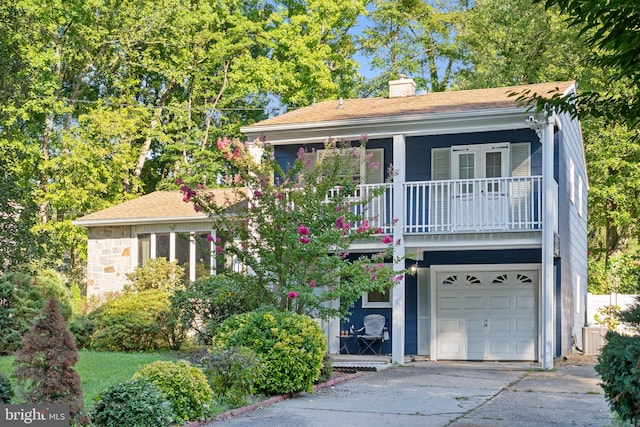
(366, 166)
(572, 181)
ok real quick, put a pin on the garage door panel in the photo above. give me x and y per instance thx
(499, 302)
(492, 317)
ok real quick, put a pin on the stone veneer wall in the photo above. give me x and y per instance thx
(109, 259)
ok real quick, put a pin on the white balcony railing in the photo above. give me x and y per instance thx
(470, 205)
(473, 205)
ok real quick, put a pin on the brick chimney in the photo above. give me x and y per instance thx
(402, 87)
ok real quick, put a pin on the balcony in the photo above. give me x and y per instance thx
(459, 206)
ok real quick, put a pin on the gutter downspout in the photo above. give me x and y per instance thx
(398, 303)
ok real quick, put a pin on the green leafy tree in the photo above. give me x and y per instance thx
(294, 234)
(100, 102)
(414, 38)
(45, 364)
(514, 43)
(611, 39)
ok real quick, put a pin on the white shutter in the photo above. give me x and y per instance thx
(521, 191)
(374, 166)
(520, 164)
(439, 195)
(440, 164)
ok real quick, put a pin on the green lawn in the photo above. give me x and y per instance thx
(101, 369)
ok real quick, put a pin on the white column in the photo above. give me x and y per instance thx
(398, 310)
(549, 212)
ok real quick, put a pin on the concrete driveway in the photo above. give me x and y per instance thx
(457, 394)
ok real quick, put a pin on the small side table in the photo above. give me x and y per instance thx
(344, 343)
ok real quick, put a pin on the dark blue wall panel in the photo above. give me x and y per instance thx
(522, 256)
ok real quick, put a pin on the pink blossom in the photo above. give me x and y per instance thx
(387, 239)
(237, 179)
(301, 154)
(179, 181)
(210, 238)
(373, 278)
(305, 240)
(196, 208)
(218, 249)
(312, 283)
(340, 223)
(303, 230)
(398, 278)
(200, 186)
(223, 144)
(378, 231)
(364, 227)
(278, 196)
(307, 162)
(218, 240)
(257, 194)
(292, 295)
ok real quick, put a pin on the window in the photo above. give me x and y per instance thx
(580, 195)
(367, 166)
(377, 299)
(572, 181)
(578, 293)
(192, 250)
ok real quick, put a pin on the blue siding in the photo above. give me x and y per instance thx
(572, 236)
(523, 256)
(418, 149)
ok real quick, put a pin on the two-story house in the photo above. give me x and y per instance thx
(488, 202)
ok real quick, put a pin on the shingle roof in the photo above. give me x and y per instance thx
(168, 205)
(437, 102)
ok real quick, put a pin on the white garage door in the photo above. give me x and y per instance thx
(486, 315)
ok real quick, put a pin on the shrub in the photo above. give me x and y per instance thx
(157, 273)
(134, 403)
(231, 373)
(22, 296)
(205, 303)
(619, 368)
(326, 372)
(132, 322)
(45, 363)
(184, 385)
(6, 390)
(82, 329)
(290, 346)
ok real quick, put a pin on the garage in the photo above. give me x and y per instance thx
(486, 313)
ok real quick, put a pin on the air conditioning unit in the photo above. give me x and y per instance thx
(593, 339)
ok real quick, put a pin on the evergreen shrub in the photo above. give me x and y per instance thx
(137, 403)
(290, 347)
(6, 390)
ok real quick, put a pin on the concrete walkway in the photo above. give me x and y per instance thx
(456, 394)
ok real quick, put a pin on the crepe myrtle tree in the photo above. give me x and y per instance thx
(294, 233)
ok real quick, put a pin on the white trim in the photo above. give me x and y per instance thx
(412, 124)
(434, 269)
(399, 307)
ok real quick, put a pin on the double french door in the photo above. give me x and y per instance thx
(479, 198)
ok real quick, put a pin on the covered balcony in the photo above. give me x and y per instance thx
(459, 206)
